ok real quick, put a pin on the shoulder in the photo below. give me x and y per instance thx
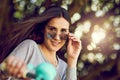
(26, 45)
(28, 42)
(25, 49)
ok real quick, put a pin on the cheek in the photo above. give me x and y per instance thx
(46, 38)
(63, 43)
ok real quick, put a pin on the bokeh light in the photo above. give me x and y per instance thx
(98, 34)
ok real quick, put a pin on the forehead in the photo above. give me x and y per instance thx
(59, 22)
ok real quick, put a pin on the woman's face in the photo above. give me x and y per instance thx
(56, 33)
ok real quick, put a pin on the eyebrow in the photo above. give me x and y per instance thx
(56, 28)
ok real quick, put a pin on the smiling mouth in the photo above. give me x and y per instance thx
(55, 43)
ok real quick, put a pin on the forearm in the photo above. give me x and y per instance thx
(71, 69)
(71, 73)
(71, 62)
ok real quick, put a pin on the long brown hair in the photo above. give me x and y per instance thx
(30, 28)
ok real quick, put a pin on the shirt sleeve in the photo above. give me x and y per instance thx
(71, 74)
(67, 73)
(24, 50)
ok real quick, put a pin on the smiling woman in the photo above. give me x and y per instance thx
(56, 27)
(37, 40)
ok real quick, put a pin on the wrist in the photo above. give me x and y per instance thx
(71, 63)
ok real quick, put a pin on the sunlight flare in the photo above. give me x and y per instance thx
(98, 35)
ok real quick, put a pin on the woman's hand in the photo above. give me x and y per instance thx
(16, 67)
(73, 50)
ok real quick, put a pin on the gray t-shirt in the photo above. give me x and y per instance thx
(30, 52)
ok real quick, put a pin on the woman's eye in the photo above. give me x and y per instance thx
(63, 30)
(52, 29)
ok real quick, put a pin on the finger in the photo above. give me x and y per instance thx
(73, 37)
(70, 34)
(10, 63)
(13, 65)
(9, 60)
(23, 70)
(17, 67)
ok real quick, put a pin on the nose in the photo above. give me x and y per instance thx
(57, 36)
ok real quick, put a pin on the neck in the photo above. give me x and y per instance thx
(47, 51)
(49, 55)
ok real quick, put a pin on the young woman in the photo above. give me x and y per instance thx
(38, 39)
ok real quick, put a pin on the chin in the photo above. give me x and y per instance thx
(55, 49)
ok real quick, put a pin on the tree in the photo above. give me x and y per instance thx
(89, 17)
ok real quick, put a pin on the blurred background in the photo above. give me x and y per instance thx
(95, 22)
